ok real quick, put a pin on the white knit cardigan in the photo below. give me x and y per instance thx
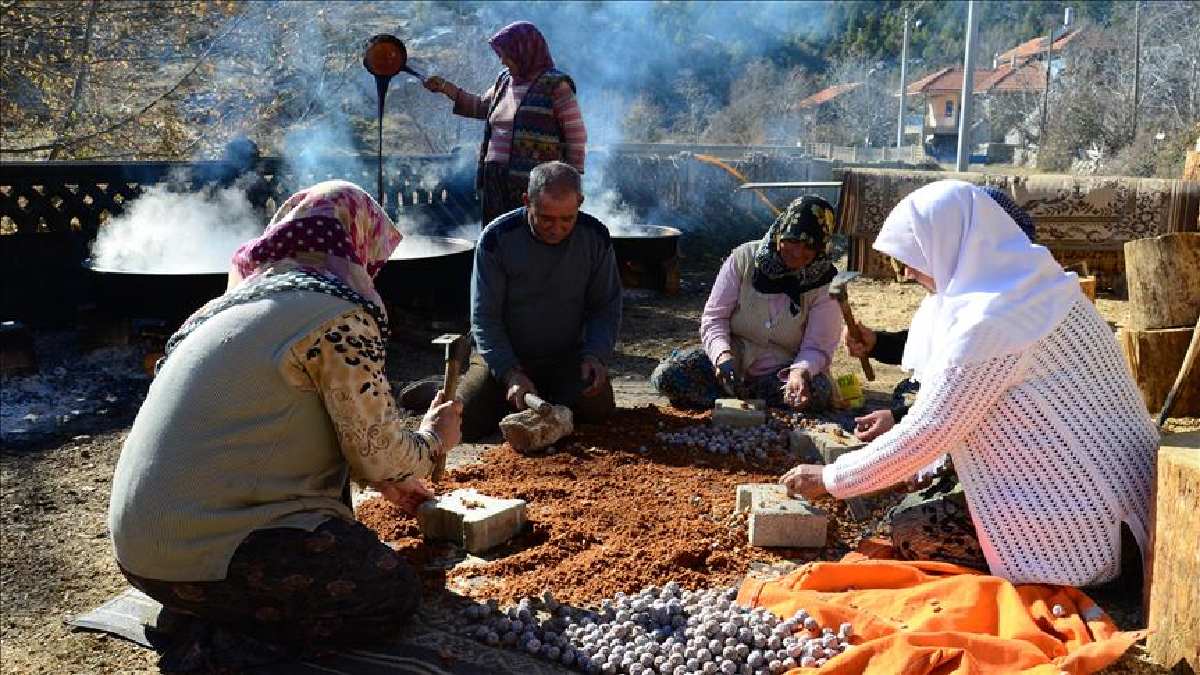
(1053, 446)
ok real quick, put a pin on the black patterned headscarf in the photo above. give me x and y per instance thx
(809, 220)
(1019, 215)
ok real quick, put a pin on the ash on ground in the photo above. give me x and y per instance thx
(74, 391)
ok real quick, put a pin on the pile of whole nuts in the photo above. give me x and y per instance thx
(661, 631)
(755, 441)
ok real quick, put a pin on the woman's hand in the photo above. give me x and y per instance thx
(444, 419)
(797, 392)
(407, 494)
(856, 348)
(726, 373)
(805, 480)
(873, 424)
(439, 85)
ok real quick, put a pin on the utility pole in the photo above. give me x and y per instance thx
(1046, 91)
(968, 91)
(1137, 63)
(903, 84)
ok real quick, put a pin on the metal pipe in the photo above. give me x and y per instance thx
(1046, 92)
(903, 77)
(968, 90)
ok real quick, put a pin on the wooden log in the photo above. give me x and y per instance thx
(1187, 375)
(1173, 596)
(1154, 358)
(1163, 274)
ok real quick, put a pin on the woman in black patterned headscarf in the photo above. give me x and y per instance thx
(769, 328)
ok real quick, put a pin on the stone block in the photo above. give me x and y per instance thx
(474, 521)
(532, 430)
(735, 412)
(777, 520)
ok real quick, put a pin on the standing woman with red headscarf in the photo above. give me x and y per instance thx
(530, 117)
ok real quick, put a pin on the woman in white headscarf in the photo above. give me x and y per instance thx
(1022, 384)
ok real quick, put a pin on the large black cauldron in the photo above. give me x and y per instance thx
(428, 278)
(167, 296)
(648, 256)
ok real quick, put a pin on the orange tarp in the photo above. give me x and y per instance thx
(928, 617)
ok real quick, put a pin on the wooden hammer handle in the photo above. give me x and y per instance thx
(853, 329)
(453, 371)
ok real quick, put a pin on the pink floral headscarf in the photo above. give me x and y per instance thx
(523, 43)
(333, 228)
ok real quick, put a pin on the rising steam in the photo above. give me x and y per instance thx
(165, 232)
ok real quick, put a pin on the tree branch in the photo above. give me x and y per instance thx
(68, 119)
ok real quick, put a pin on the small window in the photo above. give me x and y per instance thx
(949, 109)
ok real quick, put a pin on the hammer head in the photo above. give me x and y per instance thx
(837, 287)
(458, 347)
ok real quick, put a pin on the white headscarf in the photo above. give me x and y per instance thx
(997, 292)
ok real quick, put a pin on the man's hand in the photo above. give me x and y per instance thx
(873, 424)
(444, 419)
(407, 494)
(517, 384)
(593, 371)
(797, 392)
(854, 347)
(805, 480)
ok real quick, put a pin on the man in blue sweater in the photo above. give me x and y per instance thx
(545, 307)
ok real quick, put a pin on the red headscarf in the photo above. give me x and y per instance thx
(523, 43)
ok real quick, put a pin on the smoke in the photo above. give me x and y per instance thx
(164, 232)
(618, 51)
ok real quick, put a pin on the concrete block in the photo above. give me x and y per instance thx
(829, 441)
(735, 412)
(777, 520)
(474, 521)
(748, 492)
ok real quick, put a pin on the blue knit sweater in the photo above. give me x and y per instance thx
(534, 302)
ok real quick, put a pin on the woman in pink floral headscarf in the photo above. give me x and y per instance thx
(530, 117)
(227, 504)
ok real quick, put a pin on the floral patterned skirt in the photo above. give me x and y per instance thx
(688, 379)
(289, 593)
(935, 524)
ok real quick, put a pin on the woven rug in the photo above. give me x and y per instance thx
(1096, 212)
(429, 644)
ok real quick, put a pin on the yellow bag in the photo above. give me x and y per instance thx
(850, 391)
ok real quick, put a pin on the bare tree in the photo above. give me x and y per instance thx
(865, 115)
(698, 104)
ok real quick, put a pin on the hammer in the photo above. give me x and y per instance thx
(837, 291)
(458, 354)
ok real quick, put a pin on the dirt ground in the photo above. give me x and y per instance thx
(56, 559)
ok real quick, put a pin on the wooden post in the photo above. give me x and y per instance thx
(1154, 358)
(1173, 582)
(1163, 274)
